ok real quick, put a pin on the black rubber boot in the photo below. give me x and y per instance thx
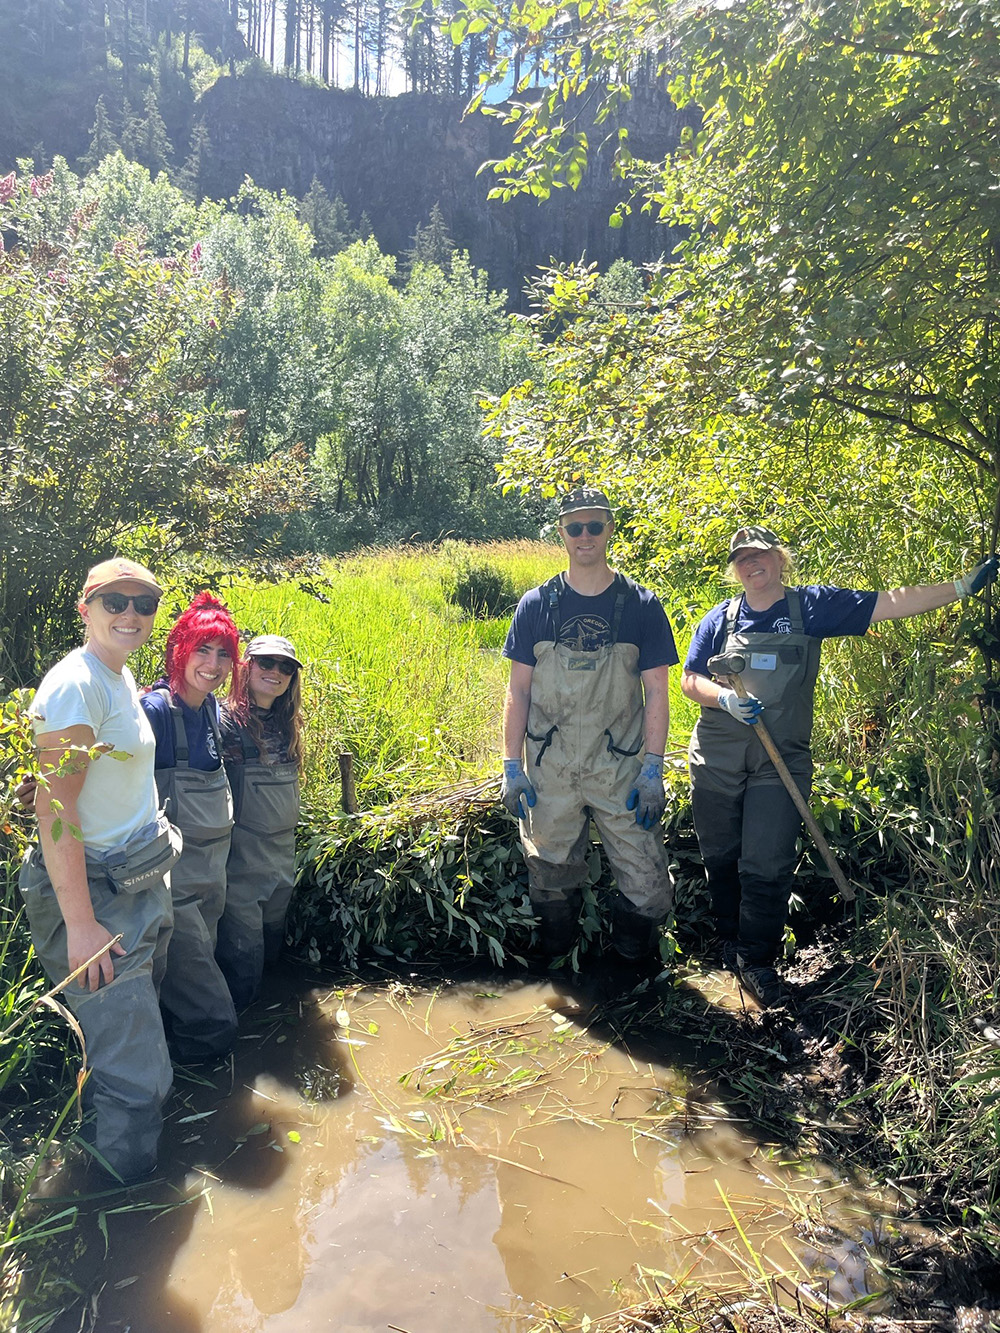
(558, 925)
(632, 934)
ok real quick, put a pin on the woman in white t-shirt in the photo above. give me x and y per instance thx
(99, 869)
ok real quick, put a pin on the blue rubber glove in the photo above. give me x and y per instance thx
(647, 797)
(744, 710)
(515, 785)
(976, 579)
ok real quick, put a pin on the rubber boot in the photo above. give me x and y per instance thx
(632, 934)
(558, 925)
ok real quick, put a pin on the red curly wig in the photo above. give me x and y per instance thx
(204, 620)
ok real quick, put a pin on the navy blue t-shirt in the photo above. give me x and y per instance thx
(586, 625)
(202, 751)
(827, 612)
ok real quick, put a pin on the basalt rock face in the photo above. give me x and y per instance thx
(394, 158)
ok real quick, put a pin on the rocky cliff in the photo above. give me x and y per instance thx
(394, 158)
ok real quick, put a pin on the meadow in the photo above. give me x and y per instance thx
(399, 675)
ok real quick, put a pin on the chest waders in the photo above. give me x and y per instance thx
(746, 822)
(261, 868)
(582, 753)
(198, 1010)
(130, 1073)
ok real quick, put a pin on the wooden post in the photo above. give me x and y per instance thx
(348, 796)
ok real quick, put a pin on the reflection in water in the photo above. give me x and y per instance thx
(524, 1164)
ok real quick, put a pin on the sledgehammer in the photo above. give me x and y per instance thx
(729, 667)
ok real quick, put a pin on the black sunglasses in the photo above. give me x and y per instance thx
(117, 602)
(281, 664)
(595, 527)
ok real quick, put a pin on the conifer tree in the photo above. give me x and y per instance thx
(432, 244)
(102, 138)
(153, 147)
(327, 219)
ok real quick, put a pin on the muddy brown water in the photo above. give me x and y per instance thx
(464, 1159)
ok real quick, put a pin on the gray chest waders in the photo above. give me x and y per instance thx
(261, 868)
(582, 753)
(130, 1073)
(747, 824)
(198, 1010)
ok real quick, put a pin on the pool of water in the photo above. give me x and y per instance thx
(467, 1158)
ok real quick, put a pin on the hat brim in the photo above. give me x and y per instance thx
(750, 546)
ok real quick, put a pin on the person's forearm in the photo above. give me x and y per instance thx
(515, 723)
(656, 713)
(66, 864)
(899, 603)
(701, 689)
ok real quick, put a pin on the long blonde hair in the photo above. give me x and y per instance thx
(287, 708)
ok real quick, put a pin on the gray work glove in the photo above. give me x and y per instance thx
(744, 710)
(976, 579)
(647, 797)
(516, 785)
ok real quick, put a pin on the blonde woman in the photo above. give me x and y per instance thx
(83, 892)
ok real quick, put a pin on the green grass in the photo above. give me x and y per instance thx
(398, 675)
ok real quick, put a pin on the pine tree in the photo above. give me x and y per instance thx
(153, 147)
(432, 244)
(189, 178)
(328, 220)
(102, 138)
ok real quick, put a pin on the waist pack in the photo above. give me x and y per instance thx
(143, 861)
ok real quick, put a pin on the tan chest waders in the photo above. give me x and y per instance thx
(582, 754)
(746, 822)
(198, 1010)
(261, 868)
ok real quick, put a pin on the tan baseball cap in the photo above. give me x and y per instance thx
(112, 571)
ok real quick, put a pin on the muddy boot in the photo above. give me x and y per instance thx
(762, 982)
(558, 925)
(632, 934)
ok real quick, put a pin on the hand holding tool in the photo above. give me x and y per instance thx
(730, 666)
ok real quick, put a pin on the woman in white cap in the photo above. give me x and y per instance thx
(99, 870)
(746, 822)
(262, 750)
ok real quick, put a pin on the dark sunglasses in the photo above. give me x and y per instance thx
(281, 664)
(595, 527)
(117, 602)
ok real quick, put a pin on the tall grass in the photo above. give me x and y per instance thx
(396, 674)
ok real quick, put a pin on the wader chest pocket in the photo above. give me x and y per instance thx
(270, 804)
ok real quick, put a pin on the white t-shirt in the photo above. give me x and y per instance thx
(119, 795)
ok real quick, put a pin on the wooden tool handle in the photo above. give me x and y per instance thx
(801, 804)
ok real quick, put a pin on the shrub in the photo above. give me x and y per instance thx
(482, 591)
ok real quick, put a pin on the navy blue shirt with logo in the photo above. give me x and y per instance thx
(586, 625)
(827, 613)
(202, 750)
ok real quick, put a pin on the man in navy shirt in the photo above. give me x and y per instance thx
(746, 822)
(585, 728)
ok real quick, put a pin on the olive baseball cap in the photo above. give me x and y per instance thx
(752, 539)
(584, 498)
(272, 645)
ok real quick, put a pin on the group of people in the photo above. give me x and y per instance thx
(166, 819)
(165, 859)
(586, 723)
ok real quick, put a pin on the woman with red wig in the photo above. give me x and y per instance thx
(202, 646)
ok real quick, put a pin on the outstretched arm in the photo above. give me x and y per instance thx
(903, 602)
